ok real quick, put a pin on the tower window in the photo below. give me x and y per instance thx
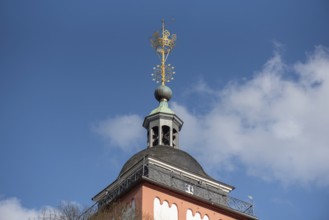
(174, 137)
(165, 135)
(155, 136)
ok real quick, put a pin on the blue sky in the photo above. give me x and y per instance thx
(252, 87)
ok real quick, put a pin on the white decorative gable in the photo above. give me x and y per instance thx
(163, 211)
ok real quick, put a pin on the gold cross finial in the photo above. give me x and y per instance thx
(163, 45)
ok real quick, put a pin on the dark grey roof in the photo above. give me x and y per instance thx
(169, 155)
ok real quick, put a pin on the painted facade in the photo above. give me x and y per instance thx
(158, 200)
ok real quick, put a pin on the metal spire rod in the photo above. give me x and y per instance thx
(163, 72)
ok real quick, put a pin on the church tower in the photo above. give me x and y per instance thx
(163, 182)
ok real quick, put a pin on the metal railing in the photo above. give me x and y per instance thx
(145, 170)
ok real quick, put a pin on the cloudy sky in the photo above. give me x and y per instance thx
(252, 88)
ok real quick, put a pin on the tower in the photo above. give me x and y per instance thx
(162, 181)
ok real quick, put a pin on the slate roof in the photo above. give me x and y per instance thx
(169, 155)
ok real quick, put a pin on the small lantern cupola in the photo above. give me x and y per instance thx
(162, 124)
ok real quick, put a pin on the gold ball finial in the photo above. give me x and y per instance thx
(163, 45)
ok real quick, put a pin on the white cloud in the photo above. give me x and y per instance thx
(11, 209)
(124, 131)
(200, 87)
(277, 127)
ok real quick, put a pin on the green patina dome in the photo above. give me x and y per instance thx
(163, 107)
